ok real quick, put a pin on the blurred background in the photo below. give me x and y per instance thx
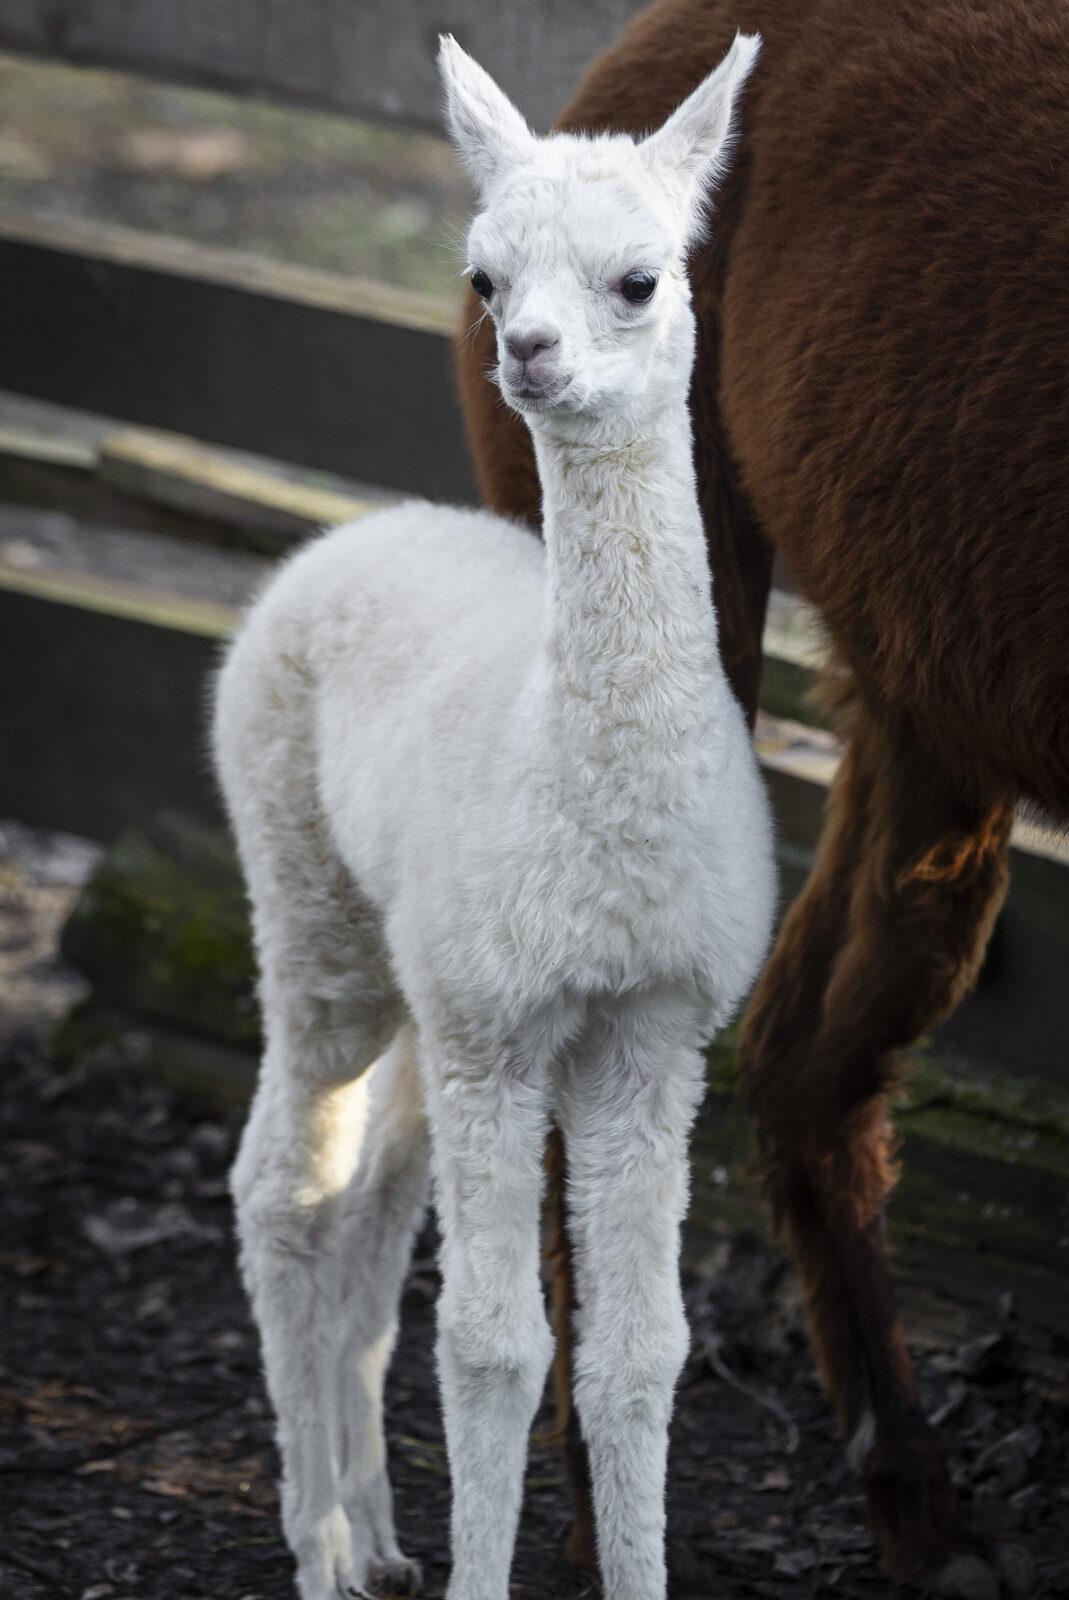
(323, 191)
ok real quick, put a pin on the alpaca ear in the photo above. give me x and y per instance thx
(487, 130)
(693, 148)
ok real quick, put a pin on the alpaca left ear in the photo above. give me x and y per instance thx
(693, 148)
(490, 135)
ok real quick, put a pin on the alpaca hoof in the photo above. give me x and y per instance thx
(399, 1578)
(324, 1553)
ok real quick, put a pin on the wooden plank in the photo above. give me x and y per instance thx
(102, 716)
(985, 1190)
(374, 59)
(115, 569)
(64, 454)
(85, 591)
(288, 364)
(178, 472)
(237, 269)
(94, 471)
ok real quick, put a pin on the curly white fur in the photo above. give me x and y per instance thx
(508, 853)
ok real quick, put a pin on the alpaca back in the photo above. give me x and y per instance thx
(384, 673)
(384, 656)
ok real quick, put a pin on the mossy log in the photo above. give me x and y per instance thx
(978, 1224)
(161, 930)
(982, 1211)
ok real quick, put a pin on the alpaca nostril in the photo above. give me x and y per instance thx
(525, 346)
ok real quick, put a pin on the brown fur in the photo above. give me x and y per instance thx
(882, 393)
(565, 1434)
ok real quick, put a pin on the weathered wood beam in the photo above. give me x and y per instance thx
(371, 58)
(99, 472)
(171, 470)
(300, 365)
(102, 705)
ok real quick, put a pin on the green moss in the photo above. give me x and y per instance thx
(722, 1067)
(1016, 1101)
(162, 930)
(1017, 1117)
(988, 1135)
(82, 1030)
(95, 1037)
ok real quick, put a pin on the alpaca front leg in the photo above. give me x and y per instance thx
(627, 1115)
(494, 1345)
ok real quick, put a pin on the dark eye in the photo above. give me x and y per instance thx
(638, 287)
(481, 283)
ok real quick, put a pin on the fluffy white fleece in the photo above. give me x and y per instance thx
(510, 859)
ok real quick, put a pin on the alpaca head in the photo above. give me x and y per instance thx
(579, 249)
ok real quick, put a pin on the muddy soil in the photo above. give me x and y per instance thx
(136, 1453)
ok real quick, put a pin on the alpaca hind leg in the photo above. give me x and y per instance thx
(628, 1098)
(379, 1214)
(912, 873)
(489, 1122)
(330, 1006)
(296, 1157)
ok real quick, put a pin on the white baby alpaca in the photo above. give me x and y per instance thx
(503, 831)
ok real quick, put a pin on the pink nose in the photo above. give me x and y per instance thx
(525, 345)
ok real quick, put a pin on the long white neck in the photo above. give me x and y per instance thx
(630, 667)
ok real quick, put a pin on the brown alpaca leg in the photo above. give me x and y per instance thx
(886, 937)
(581, 1548)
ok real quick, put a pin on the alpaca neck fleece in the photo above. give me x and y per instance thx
(630, 664)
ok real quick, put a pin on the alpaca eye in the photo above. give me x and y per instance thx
(638, 287)
(481, 283)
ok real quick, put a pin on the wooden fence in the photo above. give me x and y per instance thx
(367, 58)
(102, 690)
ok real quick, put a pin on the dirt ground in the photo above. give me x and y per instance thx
(136, 1454)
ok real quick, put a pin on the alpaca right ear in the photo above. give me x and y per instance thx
(693, 147)
(487, 130)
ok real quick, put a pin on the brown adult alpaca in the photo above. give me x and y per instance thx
(883, 393)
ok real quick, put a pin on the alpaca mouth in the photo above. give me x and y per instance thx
(529, 394)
